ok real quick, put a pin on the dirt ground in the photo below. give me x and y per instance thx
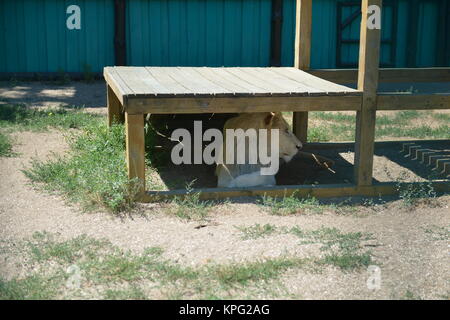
(411, 260)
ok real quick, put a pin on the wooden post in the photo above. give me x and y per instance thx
(303, 23)
(114, 107)
(134, 126)
(369, 57)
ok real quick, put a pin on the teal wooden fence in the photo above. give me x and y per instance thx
(34, 36)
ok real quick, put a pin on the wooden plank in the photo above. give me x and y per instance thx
(227, 76)
(140, 81)
(279, 75)
(242, 104)
(115, 109)
(244, 75)
(166, 80)
(274, 78)
(207, 73)
(317, 84)
(369, 57)
(135, 150)
(258, 77)
(117, 85)
(198, 80)
(317, 191)
(388, 75)
(193, 86)
(412, 101)
(378, 144)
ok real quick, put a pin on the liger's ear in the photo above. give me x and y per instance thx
(269, 118)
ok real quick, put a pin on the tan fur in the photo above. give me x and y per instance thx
(229, 175)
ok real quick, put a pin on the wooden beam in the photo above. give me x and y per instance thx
(369, 57)
(302, 59)
(135, 151)
(242, 104)
(381, 144)
(303, 27)
(391, 75)
(412, 101)
(119, 92)
(115, 110)
(317, 191)
(300, 125)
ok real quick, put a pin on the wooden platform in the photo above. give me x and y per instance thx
(166, 82)
(223, 90)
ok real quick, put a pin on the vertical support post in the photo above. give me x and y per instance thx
(369, 58)
(134, 126)
(303, 26)
(114, 107)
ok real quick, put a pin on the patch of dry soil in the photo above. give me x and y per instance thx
(409, 259)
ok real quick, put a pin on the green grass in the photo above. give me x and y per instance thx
(243, 273)
(5, 145)
(32, 287)
(130, 293)
(93, 173)
(112, 273)
(108, 272)
(438, 233)
(293, 205)
(342, 250)
(190, 206)
(338, 126)
(409, 295)
(24, 118)
(257, 231)
(412, 194)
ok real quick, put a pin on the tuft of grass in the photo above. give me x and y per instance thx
(33, 287)
(257, 231)
(131, 293)
(242, 274)
(22, 117)
(5, 146)
(190, 206)
(437, 232)
(347, 261)
(412, 194)
(342, 249)
(319, 134)
(409, 295)
(93, 173)
(43, 247)
(291, 205)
